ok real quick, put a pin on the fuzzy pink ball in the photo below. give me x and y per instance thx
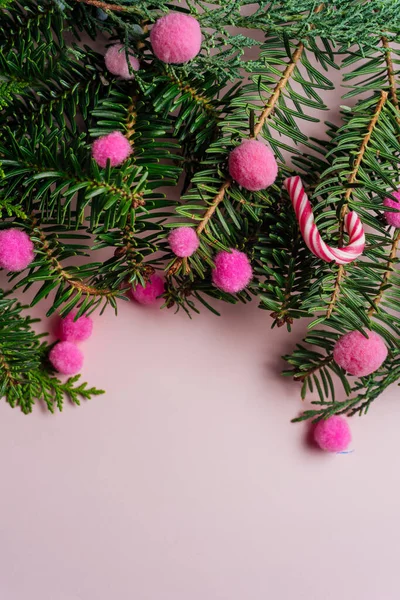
(176, 38)
(116, 63)
(66, 358)
(232, 272)
(16, 250)
(393, 218)
(149, 294)
(333, 434)
(183, 241)
(113, 146)
(70, 330)
(252, 165)
(359, 355)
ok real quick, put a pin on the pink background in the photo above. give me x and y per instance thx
(187, 481)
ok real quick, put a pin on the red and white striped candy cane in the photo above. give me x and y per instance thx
(311, 235)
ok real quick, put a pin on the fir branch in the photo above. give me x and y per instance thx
(325, 361)
(62, 273)
(351, 180)
(106, 6)
(386, 275)
(131, 119)
(391, 75)
(280, 86)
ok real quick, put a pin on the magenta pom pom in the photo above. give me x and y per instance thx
(176, 38)
(66, 358)
(183, 241)
(16, 250)
(113, 146)
(116, 63)
(359, 355)
(232, 272)
(70, 330)
(333, 434)
(252, 165)
(393, 218)
(149, 294)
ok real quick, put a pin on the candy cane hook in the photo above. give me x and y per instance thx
(312, 237)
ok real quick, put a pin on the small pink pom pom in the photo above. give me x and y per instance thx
(333, 434)
(113, 146)
(16, 250)
(75, 331)
(149, 294)
(183, 241)
(393, 218)
(232, 272)
(176, 38)
(252, 165)
(116, 63)
(66, 358)
(359, 355)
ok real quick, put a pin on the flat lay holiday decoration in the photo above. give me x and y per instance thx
(306, 226)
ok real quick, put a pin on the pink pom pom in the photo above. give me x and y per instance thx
(116, 63)
(16, 250)
(393, 218)
(66, 358)
(359, 355)
(113, 146)
(232, 272)
(75, 331)
(252, 165)
(176, 38)
(150, 293)
(333, 434)
(183, 241)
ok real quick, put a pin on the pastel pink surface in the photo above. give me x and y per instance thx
(187, 480)
(150, 293)
(176, 38)
(393, 218)
(232, 272)
(359, 355)
(71, 330)
(66, 358)
(333, 434)
(16, 249)
(183, 241)
(113, 146)
(116, 63)
(252, 165)
(189, 468)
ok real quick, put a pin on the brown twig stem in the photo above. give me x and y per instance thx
(104, 5)
(386, 275)
(351, 179)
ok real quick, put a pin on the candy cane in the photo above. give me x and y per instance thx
(312, 237)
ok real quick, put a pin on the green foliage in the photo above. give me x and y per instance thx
(25, 377)
(271, 80)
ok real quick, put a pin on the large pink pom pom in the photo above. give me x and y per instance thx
(66, 358)
(252, 165)
(183, 241)
(393, 218)
(16, 250)
(116, 63)
(232, 272)
(148, 295)
(176, 38)
(359, 355)
(333, 434)
(75, 331)
(113, 146)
